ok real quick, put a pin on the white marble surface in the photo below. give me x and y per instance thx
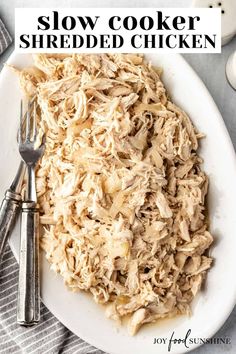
(210, 68)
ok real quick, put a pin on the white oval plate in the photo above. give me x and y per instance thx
(77, 311)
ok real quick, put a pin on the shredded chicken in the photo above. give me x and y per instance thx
(120, 187)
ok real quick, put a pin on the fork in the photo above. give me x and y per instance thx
(28, 304)
(10, 208)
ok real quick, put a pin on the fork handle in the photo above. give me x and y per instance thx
(9, 211)
(28, 305)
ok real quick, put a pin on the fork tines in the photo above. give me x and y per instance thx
(28, 123)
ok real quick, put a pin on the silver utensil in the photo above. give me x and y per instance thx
(10, 208)
(11, 205)
(28, 305)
